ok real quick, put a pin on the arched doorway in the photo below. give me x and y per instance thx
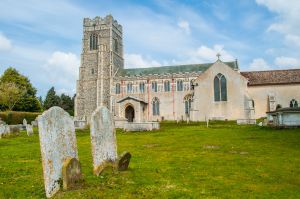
(129, 113)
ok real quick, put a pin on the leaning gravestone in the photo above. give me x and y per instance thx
(29, 130)
(4, 130)
(58, 146)
(103, 139)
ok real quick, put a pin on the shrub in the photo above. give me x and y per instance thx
(14, 117)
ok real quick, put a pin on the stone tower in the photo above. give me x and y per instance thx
(101, 59)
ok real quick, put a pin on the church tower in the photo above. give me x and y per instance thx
(101, 59)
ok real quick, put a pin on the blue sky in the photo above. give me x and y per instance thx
(42, 39)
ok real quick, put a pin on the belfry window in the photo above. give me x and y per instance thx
(93, 42)
(179, 85)
(129, 88)
(117, 88)
(293, 103)
(116, 45)
(155, 106)
(142, 87)
(167, 86)
(220, 88)
(154, 86)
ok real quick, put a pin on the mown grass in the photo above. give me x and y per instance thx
(178, 161)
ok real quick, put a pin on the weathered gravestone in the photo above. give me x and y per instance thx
(4, 130)
(104, 143)
(29, 130)
(58, 146)
(123, 161)
(103, 139)
(24, 122)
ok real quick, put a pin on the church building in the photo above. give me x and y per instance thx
(194, 92)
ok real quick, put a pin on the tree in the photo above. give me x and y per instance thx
(67, 103)
(51, 99)
(28, 101)
(10, 94)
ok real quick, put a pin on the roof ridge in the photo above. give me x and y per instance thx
(270, 70)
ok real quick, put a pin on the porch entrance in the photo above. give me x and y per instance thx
(129, 113)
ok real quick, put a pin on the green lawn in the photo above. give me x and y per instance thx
(178, 161)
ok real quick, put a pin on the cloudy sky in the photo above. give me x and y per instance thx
(42, 38)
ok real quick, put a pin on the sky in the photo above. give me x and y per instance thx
(42, 38)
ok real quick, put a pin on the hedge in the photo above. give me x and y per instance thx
(15, 117)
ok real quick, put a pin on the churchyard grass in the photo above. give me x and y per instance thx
(178, 161)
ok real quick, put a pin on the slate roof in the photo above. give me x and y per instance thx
(171, 69)
(272, 77)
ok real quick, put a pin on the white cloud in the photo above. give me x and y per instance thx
(259, 64)
(287, 62)
(206, 54)
(185, 26)
(138, 61)
(5, 43)
(288, 21)
(62, 71)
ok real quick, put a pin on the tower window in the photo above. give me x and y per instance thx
(179, 85)
(116, 45)
(117, 88)
(220, 88)
(93, 42)
(167, 86)
(155, 106)
(93, 71)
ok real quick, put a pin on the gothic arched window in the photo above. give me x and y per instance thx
(187, 104)
(117, 88)
(154, 86)
(167, 86)
(93, 42)
(293, 103)
(179, 85)
(129, 87)
(142, 87)
(220, 88)
(155, 106)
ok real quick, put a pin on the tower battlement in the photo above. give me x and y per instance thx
(100, 21)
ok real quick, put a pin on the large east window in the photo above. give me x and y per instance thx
(293, 103)
(220, 88)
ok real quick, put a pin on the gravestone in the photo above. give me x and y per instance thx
(103, 139)
(71, 173)
(123, 161)
(4, 130)
(24, 122)
(58, 145)
(29, 130)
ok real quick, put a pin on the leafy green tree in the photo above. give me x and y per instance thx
(51, 99)
(28, 101)
(10, 94)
